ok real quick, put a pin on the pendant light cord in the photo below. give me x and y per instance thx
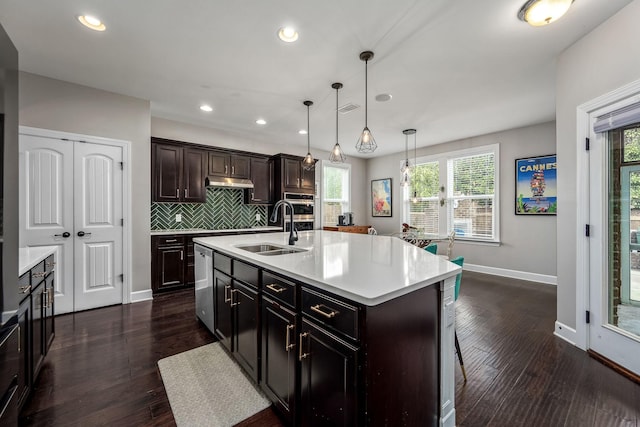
(337, 88)
(308, 133)
(366, 93)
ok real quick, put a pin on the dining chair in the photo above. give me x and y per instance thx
(459, 261)
(433, 248)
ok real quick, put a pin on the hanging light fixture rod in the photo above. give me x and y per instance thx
(308, 163)
(337, 156)
(366, 143)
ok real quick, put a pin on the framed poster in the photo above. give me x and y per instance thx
(536, 186)
(381, 197)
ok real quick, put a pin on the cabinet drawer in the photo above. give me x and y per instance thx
(24, 284)
(335, 314)
(279, 288)
(37, 274)
(170, 240)
(49, 264)
(247, 273)
(222, 263)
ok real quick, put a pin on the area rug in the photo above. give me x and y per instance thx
(207, 388)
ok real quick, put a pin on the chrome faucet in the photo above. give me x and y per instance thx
(293, 233)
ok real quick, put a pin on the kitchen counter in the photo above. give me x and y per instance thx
(29, 257)
(364, 268)
(206, 231)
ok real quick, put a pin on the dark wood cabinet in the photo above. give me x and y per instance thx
(228, 165)
(177, 173)
(24, 371)
(279, 357)
(38, 328)
(291, 176)
(9, 367)
(245, 302)
(262, 178)
(168, 263)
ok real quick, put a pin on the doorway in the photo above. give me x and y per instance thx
(72, 197)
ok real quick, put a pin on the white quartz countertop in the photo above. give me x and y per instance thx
(206, 231)
(364, 268)
(30, 257)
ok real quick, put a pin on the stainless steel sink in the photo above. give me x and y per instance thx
(268, 249)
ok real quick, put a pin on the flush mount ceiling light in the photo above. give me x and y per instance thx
(206, 108)
(366, 143)
(337, 156)
(406, 169)
(261, 122)
(92, 22)
(288, 34)
(542, 12)
(308, 163)
(302, 131)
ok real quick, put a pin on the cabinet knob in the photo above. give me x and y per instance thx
(65, 234)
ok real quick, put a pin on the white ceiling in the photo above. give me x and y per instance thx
(455, 69)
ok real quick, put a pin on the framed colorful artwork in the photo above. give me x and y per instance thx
(536, 186)
(381, 197)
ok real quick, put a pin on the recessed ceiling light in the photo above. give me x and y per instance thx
(92, 22)
(288, 34)
(206, 108)
(383, 97)
(261, 122)
(302, 131)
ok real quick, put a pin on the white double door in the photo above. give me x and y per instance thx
(71, 197)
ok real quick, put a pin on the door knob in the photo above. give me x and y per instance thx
(65, 234)
(82, 233)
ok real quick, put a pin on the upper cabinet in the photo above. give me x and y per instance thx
(177, 173)
(228, 165)
(292, 176)
(262, 177)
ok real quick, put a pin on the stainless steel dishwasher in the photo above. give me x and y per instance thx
(204, 285)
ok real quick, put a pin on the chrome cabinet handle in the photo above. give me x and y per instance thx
(171, 240)
(51, 296)
(177, 193)
(233, 170)
(25, 289)
(288, 346)
(38, 275)
(50, 264)
(225, 169)
(186, 193)
(253, 196)
(226, 298)
(275, 288)
(19, 340)
(328, 315)
(234, 292)
(181, 255)
(302, 355)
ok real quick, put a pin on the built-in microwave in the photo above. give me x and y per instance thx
(303, 206)
(300, 225)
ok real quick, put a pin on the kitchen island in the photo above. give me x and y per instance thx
(349, 330)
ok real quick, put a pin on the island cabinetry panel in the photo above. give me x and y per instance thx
(177, 173)
(9, 367)
(24, 371)
(262, 178)
(222, 307)
(246, 307)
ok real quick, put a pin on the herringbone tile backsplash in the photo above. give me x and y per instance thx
(224, 210)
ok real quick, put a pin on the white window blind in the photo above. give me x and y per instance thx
(336, 181)
(423, 209)
(619, 118)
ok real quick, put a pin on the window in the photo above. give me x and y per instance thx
(455, 191)
(336, 184)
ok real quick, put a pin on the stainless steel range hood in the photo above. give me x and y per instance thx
(219, 181)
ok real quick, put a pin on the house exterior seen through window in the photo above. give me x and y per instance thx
(336, 185)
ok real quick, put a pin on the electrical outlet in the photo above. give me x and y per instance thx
(178, 217)
(258, 217)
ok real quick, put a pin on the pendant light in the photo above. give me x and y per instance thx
(366, 143)
(308, 163)
(405, 170)
(414, 199)
(337, 156)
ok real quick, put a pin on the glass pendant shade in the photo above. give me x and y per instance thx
(336, 155)
(308, 163)
(405, 180)
(366, 143)
(542, 12)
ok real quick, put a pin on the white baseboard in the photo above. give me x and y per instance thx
(514, 274)
(139, 296)
(565, 332)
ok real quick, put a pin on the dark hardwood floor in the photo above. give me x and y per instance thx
(102, 368)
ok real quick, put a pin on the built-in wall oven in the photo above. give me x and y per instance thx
(303, 211)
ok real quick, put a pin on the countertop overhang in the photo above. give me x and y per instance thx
(208, 231)
(368, 269)
(29, 257)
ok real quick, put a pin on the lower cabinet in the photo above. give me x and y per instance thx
(222, 307)
(24, 372)
(246, 306)
(279, 357)
(38, 323)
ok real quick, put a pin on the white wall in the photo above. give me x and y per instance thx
(604, 60)
(528, 243)
(163, 128)
(53, 104)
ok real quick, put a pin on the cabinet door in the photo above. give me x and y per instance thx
(262, 178)
(49, 323)
(244, 301)
(328, 379)
(222, 307)
(166, 173)
(240, 167)
(193, 176)
(218, 164)
(170, 267)
(291, 174)
(37, 328)
(308, 179)
(279, 353)
(24, 371)
(190, 265)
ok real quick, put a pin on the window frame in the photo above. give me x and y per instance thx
(445, 213)
(347, 204)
